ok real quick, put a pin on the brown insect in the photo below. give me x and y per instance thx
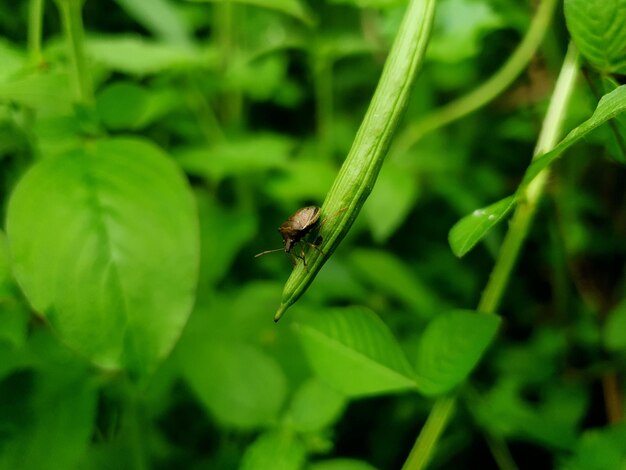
(294, 230)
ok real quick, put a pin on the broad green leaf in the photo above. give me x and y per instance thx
(105, 244)
(451, 347)
(353, 351)
(275, 450)
(610, 106)
(597, 28)
(615, 328)
(294, 8)
(341, 464)
(472, 228)
(387, 273)
(391, 201)
(239, 385)
(161, 18)
(138, 56)
(46, 419)
(315, 406)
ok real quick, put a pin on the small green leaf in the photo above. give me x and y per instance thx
(610, 106)
(239, 385)
(615, 328)
(126, 105)
(136, 56)
(386, 272)
(315, 406)
(468, 231)
(354, 352)
(276, 451)
(104, 243)
(597, 28)
(451, 347)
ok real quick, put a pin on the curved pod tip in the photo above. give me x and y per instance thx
(279, 313)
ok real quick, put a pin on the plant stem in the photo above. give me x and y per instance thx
(232, 100)
(486, 92)
(322, 71)
(35, 16)
(75, 37)
(434, 426)
(527, 206)
(513, 241)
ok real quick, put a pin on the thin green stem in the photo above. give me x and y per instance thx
(324, 102)
(75, 37)
(486, 92)
(232, 100)
(35, 17)
(527, 207)
(434, 426)
(512, 244)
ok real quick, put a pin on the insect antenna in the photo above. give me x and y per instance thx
(268, 251)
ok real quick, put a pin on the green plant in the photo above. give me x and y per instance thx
(150, 148)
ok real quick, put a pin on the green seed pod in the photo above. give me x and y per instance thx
(360, 169)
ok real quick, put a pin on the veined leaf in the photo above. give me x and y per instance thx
(597, 28)
(315, 406)
(388, 273)
(238, 384)
(610, 106)
(353, 351)
(105, 244)
(472, 228)
(468, 231)
(451, 347)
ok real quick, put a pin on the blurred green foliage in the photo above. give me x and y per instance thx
(136, 325)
